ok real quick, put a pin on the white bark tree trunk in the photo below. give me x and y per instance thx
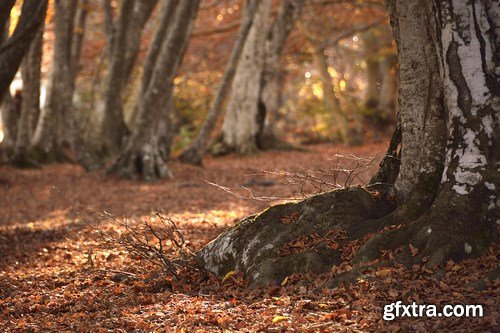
(241, 124)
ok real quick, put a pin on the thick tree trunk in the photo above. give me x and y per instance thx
(55, 129)
(449, 107)
(194, 154)
(241, 124)
(12, 53)
(109, 127)
(31, 71)
(141, 157)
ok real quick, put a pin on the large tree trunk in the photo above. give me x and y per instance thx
(194, 154)
(141, 157)
(12, 53)
(54, 134)
(241, 124)
(445, 199)
(109, 128)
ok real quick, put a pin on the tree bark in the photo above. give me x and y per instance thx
(55, 130)
(273, 75)
(12, 53)
(449, 107)
(31, 72)
(5, 8)
(141, 157)
(194, 154)
(241, 123)
(110, 129)
(389, 88)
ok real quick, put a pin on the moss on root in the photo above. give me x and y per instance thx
(450, 228)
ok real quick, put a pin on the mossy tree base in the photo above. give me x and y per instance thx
(315, 234)
(144, 162)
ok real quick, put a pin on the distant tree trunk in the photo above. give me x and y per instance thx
(12, 53)
(241, 124)
(194, 154)
(373, 73)
(273, 74)
(449, 107)
(388, 89)
(109, 128)
(10, 115)
(331, 101)
(55, 131)
(141, 157)
(30, 109)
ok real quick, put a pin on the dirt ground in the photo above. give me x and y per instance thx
(54, 275)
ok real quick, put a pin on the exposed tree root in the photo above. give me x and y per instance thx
(353, 226)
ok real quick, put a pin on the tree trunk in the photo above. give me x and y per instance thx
(109, 127)
(373, 74)
(5, 8)
(31, 71)
(10, 109)
(331, 101)
(55, 130)
(273, 75)
(12, 53)
(388, 89)
(241, 124)
(141, 157)
(194, 154)
(448, 207)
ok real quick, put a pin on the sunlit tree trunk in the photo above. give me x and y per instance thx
(241, 124)
(54, 133)
(194, 154)
(272, 81)
(109, 128)
(141, 157)
(12, 53)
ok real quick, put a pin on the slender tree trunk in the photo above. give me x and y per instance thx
(30, 109)
(194, 154)
(331, 101)
(273, 75)
(12, 53)
(10, 109)
(141, 157)
(241, 124)
(373, 73)
(388, 89)
(5, 8)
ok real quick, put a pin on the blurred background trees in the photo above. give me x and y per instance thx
(127, 84)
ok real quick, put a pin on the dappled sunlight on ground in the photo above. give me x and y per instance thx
(55, 275)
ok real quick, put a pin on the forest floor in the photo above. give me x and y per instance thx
(56, 276)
